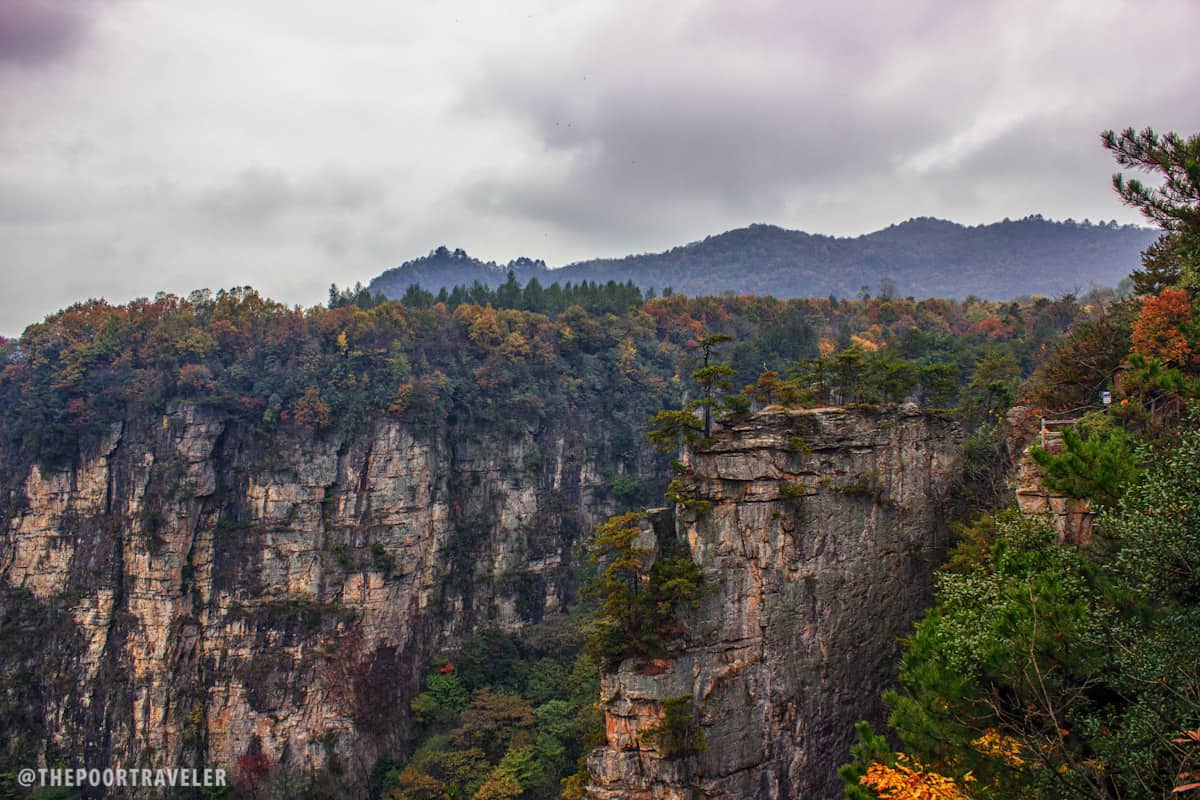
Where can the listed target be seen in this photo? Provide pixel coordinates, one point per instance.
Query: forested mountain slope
(922, 257)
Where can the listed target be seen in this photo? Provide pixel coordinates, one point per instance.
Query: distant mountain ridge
(922, 257)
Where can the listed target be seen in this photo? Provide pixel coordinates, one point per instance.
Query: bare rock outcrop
(192, 590)
(824, 529)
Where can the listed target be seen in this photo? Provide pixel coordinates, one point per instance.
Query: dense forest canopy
(67, 379)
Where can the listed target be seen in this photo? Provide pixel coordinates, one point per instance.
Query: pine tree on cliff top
(1174, 205)
(673, 428)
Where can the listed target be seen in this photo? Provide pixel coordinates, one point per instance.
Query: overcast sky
(151, 145)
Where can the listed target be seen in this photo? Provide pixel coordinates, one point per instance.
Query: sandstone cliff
(192, 590)
(824, 528)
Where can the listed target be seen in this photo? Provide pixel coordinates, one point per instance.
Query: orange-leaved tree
(1161, 329)
(909, 779)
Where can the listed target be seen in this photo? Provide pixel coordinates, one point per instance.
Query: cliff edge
(818, 548)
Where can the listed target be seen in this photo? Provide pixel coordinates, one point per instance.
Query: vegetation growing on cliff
(1053, 670)
(1045, 670)
(675, 428)
(640, 591)
(679, 733)
(1096, 465)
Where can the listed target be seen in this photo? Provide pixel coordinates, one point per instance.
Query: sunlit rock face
(810, 590)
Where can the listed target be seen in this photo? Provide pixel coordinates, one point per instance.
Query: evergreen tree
(1160, 266)
(672, 428)
(712, 377)
(416, 297)
(640, 592)
(1174, 205)
(1098, 467)
(534, 296)
(508, 295)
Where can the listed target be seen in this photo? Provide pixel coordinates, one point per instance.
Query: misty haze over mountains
(922, 257)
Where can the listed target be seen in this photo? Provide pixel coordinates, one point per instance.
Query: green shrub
(792, 494)
(679, 733)
(381, 559)
(626, 489)
(798, 444)
(1096, 468)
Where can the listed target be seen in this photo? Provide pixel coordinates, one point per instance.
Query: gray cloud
(259, 196)
(707, 122)
(224, 143)
(34, 32)
(750, 104)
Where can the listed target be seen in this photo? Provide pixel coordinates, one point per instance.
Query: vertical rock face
(191, 591)
(818, 549)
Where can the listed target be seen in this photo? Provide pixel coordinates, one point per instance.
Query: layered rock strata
(818, 532)
(192, 591)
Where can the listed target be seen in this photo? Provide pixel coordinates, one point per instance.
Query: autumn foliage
(909, 779)
(1161, 331)
(69, 379)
